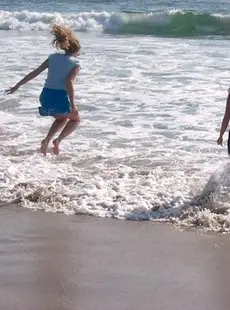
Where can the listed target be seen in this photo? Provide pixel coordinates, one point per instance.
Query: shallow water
(146, 148)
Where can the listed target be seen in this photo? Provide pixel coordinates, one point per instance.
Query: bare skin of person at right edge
(69, 120)
(225, 121)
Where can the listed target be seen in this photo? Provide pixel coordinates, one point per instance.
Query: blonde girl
(57, 97)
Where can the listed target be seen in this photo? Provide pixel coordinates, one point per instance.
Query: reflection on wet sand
(53, 261)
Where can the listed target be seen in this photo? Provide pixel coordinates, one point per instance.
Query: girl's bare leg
(67, 130)
(57, 125)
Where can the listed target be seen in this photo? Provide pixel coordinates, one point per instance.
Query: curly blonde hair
(65, 39)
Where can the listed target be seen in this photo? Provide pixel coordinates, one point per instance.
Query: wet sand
(54, 261)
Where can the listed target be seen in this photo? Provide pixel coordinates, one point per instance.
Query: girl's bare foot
(44, 146)
(56, 146)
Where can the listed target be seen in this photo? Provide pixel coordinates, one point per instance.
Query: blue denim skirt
(53, 102)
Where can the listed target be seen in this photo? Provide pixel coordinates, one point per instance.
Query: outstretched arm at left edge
(28, 77)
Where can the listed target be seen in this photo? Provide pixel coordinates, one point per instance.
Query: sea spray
(171, 23)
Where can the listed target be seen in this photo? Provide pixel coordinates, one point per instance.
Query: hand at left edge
(11, 90)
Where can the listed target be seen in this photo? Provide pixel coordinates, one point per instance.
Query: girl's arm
(225, 121)
(70, 86)
(28, 77)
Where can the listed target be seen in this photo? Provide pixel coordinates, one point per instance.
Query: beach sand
(54, 261)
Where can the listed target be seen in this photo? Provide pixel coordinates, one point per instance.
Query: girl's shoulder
(75, 61)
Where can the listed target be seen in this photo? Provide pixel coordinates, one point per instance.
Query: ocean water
(151, 94)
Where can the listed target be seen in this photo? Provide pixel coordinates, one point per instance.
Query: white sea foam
(166, 23)
(145, 149)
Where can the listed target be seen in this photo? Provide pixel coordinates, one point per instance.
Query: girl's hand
(220, 141)
(74, 116)
(12, 90)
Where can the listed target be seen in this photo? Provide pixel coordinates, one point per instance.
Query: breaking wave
(170, 24)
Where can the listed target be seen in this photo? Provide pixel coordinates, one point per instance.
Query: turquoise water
(111, 6)
(172, 19)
